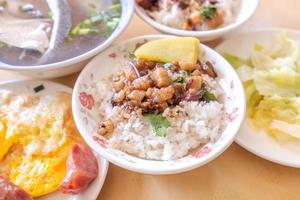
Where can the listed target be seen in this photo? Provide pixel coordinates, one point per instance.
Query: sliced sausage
(9, 191)
(82, 169)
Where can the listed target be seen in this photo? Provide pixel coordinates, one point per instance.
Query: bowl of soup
(54, 38)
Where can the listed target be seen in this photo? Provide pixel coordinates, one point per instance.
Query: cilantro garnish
(179, 79)
(208, 96)
(208, 12)
(159, 124)
(183, 77)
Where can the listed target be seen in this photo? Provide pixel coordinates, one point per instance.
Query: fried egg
(36, 135)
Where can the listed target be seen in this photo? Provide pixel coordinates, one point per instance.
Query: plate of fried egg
(42, 154)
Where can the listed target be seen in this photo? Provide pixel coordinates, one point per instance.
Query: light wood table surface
(236, 174)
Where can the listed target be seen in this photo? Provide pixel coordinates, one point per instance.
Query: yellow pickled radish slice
(179, 49)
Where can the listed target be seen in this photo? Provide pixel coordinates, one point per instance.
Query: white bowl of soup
(207, 19)
(49, 39)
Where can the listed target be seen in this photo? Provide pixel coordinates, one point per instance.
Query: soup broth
(79, 40)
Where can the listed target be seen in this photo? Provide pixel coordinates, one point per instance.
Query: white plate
(27, 87)
(259, 143)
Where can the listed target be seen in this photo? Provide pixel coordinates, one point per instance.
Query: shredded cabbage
(277, 68)
(283, 53)
(245, 72)
(272, 112)
(292, 130)
(271, 78)
(236, 61)
(280, 81)
(252, 97)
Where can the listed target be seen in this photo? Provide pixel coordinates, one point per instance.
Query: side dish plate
(259, 143)
(45, 87)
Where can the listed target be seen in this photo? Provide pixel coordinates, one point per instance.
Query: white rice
(170, 14)
(196, 124)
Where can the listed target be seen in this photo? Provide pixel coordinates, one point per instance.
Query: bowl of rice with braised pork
(159, 104)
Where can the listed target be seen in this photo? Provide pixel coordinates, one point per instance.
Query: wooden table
(236, 174)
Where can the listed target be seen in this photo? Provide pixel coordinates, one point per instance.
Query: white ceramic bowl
(86, 115)
(246, 10)
(27, 87)
(75, 64)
